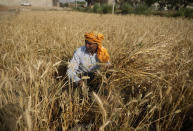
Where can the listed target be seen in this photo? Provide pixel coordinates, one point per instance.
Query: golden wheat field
(149, 85)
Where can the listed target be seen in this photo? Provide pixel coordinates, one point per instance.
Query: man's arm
(73, 67)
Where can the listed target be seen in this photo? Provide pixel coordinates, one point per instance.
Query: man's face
(91, 47)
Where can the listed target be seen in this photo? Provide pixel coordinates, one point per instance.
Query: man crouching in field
(86, 59)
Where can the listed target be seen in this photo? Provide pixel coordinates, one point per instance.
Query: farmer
(86, 59)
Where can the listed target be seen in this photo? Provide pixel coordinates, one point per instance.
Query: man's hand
(80, 83)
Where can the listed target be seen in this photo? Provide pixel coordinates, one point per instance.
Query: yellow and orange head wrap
(102, 53)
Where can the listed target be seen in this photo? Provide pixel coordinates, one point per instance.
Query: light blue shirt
(82, 62)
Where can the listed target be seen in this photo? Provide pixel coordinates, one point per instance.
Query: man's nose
(87, 45)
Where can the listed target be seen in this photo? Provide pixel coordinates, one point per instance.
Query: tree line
(170, 4)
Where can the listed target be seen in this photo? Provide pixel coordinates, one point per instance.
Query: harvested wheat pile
(148, 87)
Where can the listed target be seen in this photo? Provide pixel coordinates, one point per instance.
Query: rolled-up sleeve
(73, 67)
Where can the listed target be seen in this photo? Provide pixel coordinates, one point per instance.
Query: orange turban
(102, 53)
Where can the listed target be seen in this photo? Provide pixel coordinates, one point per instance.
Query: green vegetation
(126, 8)
(97, 8)
(184, 12)
(145, 7)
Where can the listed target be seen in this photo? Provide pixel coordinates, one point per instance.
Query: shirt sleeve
(73, 67)
(108, 63)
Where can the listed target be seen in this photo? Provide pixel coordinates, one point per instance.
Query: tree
(92, 2)
(88, 2)
(174, 4)
(149, 2)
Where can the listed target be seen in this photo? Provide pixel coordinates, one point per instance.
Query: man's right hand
(80, 83)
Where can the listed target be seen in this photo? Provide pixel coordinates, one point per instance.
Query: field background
(148, 87)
